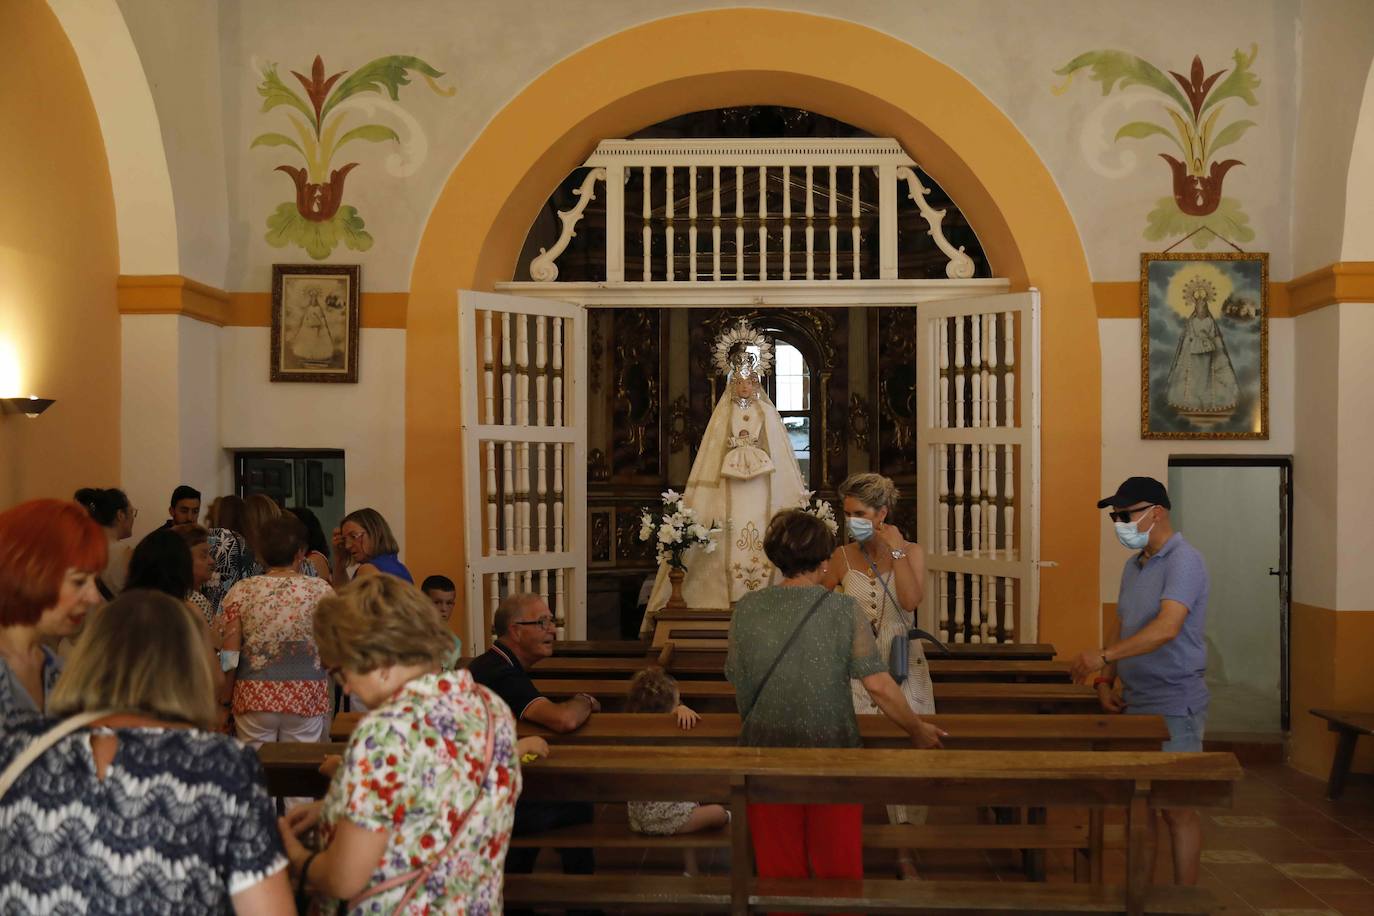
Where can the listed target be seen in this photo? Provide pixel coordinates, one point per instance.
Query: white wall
(204, 465)
(366, 420)
(178, 46)
(149, 417)
(144, 214)
(1335, 41)
(169, 413)
(1125, 454)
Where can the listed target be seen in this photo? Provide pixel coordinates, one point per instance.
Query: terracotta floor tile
(1281, 896)
(1232, 857)
(1302, 871)
(1323, 887)
(1361, 904)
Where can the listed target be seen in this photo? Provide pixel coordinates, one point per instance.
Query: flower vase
(676, 575)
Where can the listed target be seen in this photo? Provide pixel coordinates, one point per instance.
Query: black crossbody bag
(899, 656)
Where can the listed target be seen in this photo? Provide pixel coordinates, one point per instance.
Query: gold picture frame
(315, 322)
(1204, 345)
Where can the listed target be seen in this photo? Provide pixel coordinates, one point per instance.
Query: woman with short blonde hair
(186, 803)
(431, 773)
(885, 574)
(365, 539)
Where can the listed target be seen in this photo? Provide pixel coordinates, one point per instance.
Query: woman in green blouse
(793, 649)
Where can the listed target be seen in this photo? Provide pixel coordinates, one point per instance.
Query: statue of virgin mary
(744, 473)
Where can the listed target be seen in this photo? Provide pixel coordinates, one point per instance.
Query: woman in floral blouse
(281, 693)
(418, 818)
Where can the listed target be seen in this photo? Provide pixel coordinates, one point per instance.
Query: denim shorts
(1185, 732)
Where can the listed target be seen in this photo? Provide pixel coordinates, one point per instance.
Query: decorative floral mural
(318, 219)
(1199, 122)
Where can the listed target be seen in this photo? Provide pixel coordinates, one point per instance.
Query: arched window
(789, 386)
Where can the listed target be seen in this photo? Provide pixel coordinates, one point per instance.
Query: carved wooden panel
(638, 370)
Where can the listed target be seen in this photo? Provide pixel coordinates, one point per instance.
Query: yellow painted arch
(732, 57)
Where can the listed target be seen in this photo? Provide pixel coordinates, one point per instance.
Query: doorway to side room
(297, 479)
(1238, 513)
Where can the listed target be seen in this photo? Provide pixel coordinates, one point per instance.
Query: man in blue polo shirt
(1160, 649)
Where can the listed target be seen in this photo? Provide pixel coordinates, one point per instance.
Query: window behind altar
(844, 380)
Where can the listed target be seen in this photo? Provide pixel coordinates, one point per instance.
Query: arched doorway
(736, 57)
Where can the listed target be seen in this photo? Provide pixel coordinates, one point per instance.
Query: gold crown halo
(741, 333)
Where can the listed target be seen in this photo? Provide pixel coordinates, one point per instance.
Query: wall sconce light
(30, 406)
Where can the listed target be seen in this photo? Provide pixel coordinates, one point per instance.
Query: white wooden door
(978, 466)
(524, 423)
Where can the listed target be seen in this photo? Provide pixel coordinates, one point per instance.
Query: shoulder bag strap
(44, 741)
(413, 879)
(763, 682)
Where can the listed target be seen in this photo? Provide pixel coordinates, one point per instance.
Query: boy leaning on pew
(653, 690)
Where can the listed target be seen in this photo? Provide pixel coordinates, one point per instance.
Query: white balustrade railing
(811, 182)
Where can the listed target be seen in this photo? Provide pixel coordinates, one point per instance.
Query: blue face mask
(1131, 537)
(860, 529)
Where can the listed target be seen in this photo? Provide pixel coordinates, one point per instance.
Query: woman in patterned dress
(418, 817)
(885, 574)
(144, 810)
(281, 692)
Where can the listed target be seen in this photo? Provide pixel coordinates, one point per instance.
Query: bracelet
(305, 871)
(1099, 681)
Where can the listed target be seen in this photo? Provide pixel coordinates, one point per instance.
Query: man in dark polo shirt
(524, 629)
(1159, 646)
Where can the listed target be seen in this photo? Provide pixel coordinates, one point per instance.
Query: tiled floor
(1282, 850)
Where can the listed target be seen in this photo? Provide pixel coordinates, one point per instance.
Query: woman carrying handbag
(885, 574)
(419, 814)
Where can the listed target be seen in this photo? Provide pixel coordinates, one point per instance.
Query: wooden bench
(705, 629)
(966, 732)
(954, 697)
(1349, 725)
(1137, 782)
(608, 648)
(292, 769)
(941, 669)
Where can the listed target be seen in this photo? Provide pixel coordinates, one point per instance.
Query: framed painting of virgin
(1204, 346)
(315, 323)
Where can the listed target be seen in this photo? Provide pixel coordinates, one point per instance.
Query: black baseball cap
(1137, 490)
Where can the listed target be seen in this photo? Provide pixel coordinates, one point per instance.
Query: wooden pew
(941, 669)
(1135, 781)
(605, 648)
(1349, 725)
(705, 629)
(292, 770)
(968, 732)
(953, 697)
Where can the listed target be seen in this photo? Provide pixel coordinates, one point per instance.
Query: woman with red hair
(51, 553)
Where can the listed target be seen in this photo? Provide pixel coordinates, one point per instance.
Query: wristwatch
(899, 554)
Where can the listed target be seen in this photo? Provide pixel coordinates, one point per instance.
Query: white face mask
(860, 529)
(1130, 535)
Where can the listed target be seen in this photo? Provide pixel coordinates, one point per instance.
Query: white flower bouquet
(819, 508)
(676, 530)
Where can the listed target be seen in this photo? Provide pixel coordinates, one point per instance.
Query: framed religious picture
(315, 323)
(1204, 346)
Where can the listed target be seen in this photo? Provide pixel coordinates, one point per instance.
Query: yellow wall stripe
(172, 294)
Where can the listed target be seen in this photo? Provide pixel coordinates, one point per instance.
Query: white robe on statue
(744, 473)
